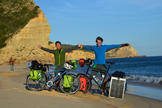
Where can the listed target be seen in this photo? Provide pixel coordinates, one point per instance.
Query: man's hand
(126, 44)
(39, 46)
(80, 46)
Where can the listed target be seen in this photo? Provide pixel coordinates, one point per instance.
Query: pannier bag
(74, 64)
(35, 74)
(68, 80)
(82, 62)
(83, 83)
(119, 74)
(36, 66)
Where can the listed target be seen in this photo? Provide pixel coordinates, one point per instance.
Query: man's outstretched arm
(86, 47)
(109, 47)
(46, 49)
(70, 49)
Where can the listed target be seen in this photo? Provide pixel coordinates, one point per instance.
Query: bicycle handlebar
(91, 61)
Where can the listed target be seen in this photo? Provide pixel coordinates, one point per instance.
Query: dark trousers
(102, 69)
(99, 68)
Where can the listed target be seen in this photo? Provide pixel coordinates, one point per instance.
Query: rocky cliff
(23, 45)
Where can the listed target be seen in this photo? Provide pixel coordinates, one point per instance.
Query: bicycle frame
(57, 77)
(107, 73)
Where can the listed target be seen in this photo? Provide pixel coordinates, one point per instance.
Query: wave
(146, 79)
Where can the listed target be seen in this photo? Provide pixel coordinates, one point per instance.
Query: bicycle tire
(71, 90)
(35, 85)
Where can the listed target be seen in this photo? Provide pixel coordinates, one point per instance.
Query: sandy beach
(13, 94)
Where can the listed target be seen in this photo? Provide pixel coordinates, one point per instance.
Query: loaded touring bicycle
(103, 80)
(62, 79)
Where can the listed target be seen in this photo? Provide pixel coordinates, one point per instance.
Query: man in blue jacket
(100, 50)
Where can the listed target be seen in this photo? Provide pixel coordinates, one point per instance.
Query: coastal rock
(23, 45)
(122, 52)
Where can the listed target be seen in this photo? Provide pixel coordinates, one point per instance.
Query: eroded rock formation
(23, 45)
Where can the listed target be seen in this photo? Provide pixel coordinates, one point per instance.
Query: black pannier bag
(118, 74)
(36, 65)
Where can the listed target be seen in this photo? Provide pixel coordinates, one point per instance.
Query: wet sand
(13, 94)
(159, 86)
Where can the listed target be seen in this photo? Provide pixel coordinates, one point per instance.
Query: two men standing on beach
(99, 50)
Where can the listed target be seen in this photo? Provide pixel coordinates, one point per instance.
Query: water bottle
(103, 76)
(96, 78)
(100, 78)
(59, 74)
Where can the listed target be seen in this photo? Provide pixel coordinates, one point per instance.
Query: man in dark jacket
(59, 53)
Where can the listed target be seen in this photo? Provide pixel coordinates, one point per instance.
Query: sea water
(141, 70)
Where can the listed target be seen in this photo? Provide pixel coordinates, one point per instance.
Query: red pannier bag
(83, 85)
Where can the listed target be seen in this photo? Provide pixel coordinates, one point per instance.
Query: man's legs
(100, 68)
(11, 67)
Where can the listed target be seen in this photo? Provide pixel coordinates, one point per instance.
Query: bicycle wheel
(36, 85)
(73, 86)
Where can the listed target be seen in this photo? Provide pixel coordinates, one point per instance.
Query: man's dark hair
(99, 38)
(57, 42)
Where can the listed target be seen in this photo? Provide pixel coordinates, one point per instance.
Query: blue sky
(138, 22)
